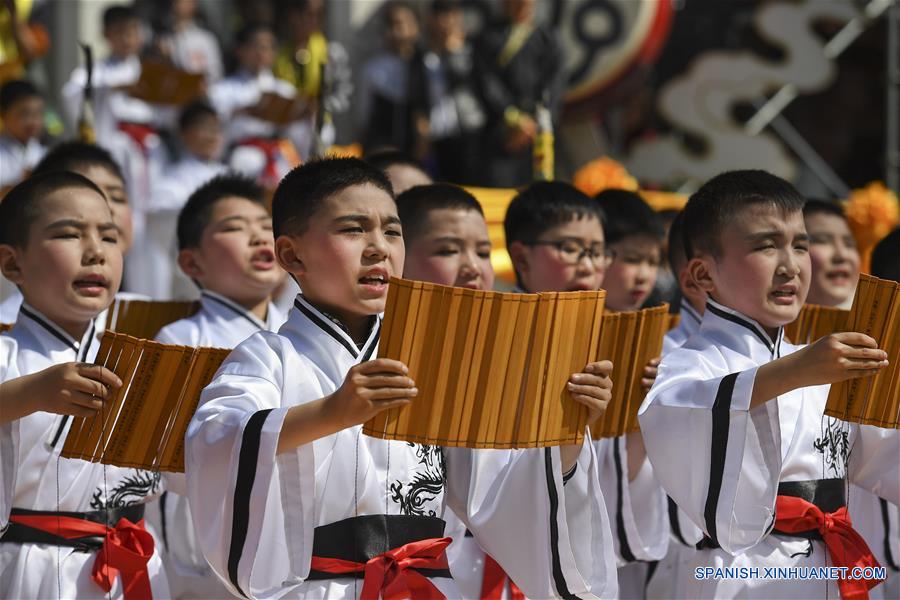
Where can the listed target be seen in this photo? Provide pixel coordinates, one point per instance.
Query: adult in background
(455, 115)
(391, 98)
(308, 61)
(518, 65)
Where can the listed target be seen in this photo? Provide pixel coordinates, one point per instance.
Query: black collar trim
(53, 330)
(235, 308)
(753, 327)
(326, 326)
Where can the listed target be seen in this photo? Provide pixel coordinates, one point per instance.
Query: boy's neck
(358, 327)
(75, 328)
(259, 308)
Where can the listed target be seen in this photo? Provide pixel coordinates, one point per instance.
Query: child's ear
(9, 264)
(187, 260)
(518, 254)
(288, 258)
(698, 270)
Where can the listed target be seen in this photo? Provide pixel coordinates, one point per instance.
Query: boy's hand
(838, 357)
(593, 388)
(77, 389)
(649, 375)
(833, 358)
(370, 388)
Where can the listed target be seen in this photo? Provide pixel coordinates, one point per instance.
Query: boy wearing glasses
(556, 239)
(635, 235)
(447, 242)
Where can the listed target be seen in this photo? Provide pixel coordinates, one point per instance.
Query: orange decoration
(601, 174)
(872, 213)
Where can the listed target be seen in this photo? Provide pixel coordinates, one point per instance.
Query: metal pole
(835, 46)
(892, 149)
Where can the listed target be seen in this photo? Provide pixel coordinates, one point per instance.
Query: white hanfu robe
(35, 477)
(878, 521)
(244, 90)
(18, 159)
(722, 462)
(141, 161)
(665, 581)
(220, 323)
(260, 510)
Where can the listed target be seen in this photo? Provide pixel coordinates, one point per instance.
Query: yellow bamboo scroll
(814, 322)
(491, 367)
(143, 424)
(873, 400)
(144, 318)
(630, 340)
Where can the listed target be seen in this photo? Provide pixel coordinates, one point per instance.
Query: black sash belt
(17, 533)
(828, 494)
(359, 539)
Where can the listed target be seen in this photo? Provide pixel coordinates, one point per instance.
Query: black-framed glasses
(571, 251)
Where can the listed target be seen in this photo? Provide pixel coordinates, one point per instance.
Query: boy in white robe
(22, 115)
(59, 244)
(201, 137)
(256, 146)
(310, 504)
(127, 126)
(558, 239)
(734, 424)
(226, 247)
(835, 262)
(665, 579)
(447, 242)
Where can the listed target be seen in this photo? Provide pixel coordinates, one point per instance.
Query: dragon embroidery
(130, 490)
(426, 486)
(834, 446)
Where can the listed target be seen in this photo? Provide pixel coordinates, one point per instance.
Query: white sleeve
(516, 505)
(637, 509)
(718, 460)
(236, 484)
(874, 462)
(9, 435)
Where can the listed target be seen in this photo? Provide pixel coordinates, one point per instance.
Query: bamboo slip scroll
(491, 367)
(143, 425)
(144, 318)
(873, 400)
(162, 83)
(630, 340)
(814, 322)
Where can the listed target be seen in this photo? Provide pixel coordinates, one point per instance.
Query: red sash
(127, 548)
(392, 574)
(494, 580)
(139, 132)
(845, 546)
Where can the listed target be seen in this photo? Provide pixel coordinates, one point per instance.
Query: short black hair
(676, 256)
(22, 205)
(394, 5)
(303, 190)
(77, 155)
(194, 216)
(815, 206)
(543, 205)
(722, 198)
(246, 33)
(118, 14)
(382, 159)
(15, 91)
(414, 204)
(440, 7)
(886, 257)
(627, 214)
(193, 113)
